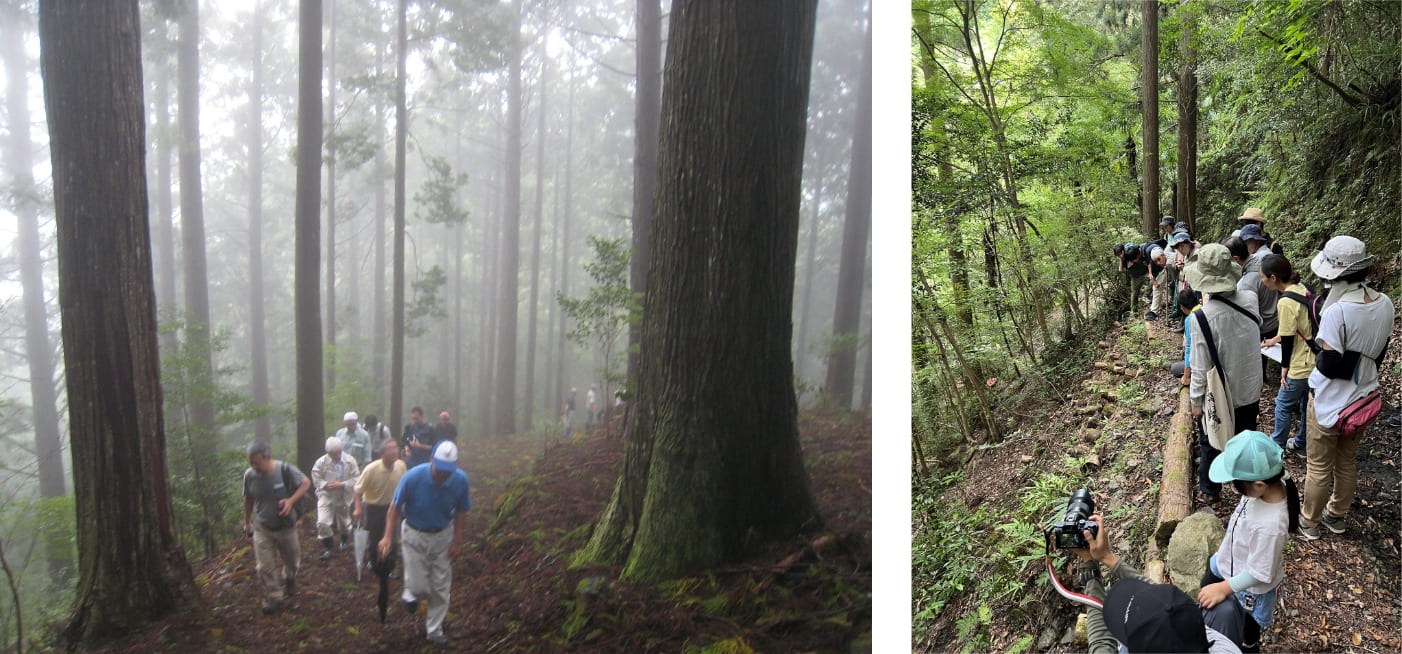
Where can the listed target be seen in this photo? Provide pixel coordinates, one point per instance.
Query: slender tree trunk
(401, 131)
(697, 488)
(38, 352)
(958, 261)
(381, 335)
(565, 247)
(262, 428)
(165, 221)
(330, 9)
(648, 113)
(866, 383)
(535, 249)
(487, 334)
(552, 382)
(847, 311)
(131, 570)
(505, 406)
(192, 208)
(1149, 100)
(457, 317)
(310, 401)
(801, 351)
(1187, 187)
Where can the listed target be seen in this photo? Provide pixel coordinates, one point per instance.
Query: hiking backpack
(1312, 303)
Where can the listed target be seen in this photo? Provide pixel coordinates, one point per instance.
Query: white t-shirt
(1255, 543)
(1349, 324)
(591, 398)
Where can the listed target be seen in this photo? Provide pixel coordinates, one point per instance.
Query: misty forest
(618, 251)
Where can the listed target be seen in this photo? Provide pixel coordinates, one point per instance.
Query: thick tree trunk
(645, 120)
(535, 249)
(505, 405)
(1187, 188)
(38, 352)
(330, 10)
(847, 310)
(1149, 100)
(192, 208)
(262, 428)
(131, 569)
(698, 487)
(1176, 488)
(310, 401)
(165, 221)
(401, 130)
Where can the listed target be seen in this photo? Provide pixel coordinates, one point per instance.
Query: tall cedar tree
(330, 18)
(648, 113)
(1149, 100)
(43, 395)
(131, 569)
(713, 465)
(847, 311)
(504, 408)
(535, 248)
(310, 420)
(192, 205)
(401, 131)
(257, 335)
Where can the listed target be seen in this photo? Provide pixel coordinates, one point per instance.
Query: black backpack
(1312, 303)
(306, 505)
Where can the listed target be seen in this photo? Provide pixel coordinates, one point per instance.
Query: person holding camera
(1141, 616)
(1250, 562)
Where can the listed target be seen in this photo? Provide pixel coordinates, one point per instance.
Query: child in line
(1297, 361)
(1188, 302)
(1250, 563)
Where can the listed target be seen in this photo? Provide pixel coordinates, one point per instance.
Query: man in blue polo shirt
(431, 499)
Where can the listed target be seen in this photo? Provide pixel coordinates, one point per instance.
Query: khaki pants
(269, 546)
(1161, 299)
(1332, 465)
(332, 515)
(427, 571)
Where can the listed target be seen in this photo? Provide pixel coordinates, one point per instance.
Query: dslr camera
(1076, 519)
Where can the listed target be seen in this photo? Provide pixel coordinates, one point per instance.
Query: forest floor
(514, 590)
(1341, 593)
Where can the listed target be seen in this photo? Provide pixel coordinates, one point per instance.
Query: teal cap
(1248, 456)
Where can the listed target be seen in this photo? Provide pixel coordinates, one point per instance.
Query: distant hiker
(355, 440)
(1250, 562)
(1144, 616)
(373, 492)
(270, 492)
(1354, 326)
(569, 413)
(1295, 336)
(419, 438)
(592, 402)
(1163, 289)
(1165, 231)
(1132, 264)
(432, 499)
(379, 432)
(1251, 279)
(618, 399)
(1230, 316)
(445, 429)
(334, 476)
(1188, 301)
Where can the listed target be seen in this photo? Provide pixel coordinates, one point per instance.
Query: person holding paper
(1294, 336)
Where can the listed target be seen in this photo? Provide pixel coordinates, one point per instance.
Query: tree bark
(197, 325)
(401, 131)
(699, 486)
(310, 401)
(645, 120)
(165, 221)
(801, 350)
(1187, 189)
(847, 310)
(1149, 100)
(535, 249)
(1176, 489)
(262, 427)
(565, 247)
(330, 17)
(505, 405)
(131, 569)
(381, 334)
(38, 352)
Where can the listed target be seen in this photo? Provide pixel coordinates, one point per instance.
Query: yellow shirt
(1295, 321)
(377, 482)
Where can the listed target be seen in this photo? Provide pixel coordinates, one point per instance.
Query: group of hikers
(1245, 315)
(406, 509)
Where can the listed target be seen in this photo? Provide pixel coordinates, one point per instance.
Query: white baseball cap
(350, 415)
(445, 456)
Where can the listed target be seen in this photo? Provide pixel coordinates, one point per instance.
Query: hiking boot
(1310, 533)
(289, 587)
(1211, 499)
(412, 606)
(326, 556)
(273, 606)
(1151, 316)
(1295, 446)
(438, 639)
(1333, 524)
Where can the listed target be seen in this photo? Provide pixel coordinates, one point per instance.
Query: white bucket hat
(1341, 255)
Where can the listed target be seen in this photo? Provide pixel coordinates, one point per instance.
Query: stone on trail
(1194, 541)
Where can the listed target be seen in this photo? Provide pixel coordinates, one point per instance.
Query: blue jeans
(1262, 604)
(1288, 402)
(1206, 456)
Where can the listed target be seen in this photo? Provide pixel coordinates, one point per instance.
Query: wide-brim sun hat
(1211, 269)
(1248, 456)
(1252, 214)
(1253, 233)
(1343, 254)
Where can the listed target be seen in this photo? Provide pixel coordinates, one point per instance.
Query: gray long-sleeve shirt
(1238, 346)
(1266, 298)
